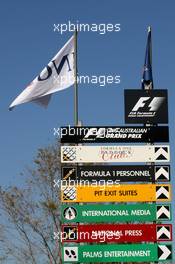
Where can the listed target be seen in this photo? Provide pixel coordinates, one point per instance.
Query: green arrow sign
(116, 253)
(97, 213)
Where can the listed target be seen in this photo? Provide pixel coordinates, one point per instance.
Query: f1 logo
(142, 107)
(153, 106)
(95, 132)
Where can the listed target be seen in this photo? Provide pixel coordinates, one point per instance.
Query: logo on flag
(56, 76)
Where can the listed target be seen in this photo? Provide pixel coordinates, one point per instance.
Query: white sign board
(106, 154)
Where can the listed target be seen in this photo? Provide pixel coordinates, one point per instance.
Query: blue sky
(27, 44)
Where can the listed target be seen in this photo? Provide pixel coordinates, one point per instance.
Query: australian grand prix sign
(146, 106)
(134, 134)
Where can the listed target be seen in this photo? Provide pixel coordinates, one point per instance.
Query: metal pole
(76, 122)
(76, 83)
(150, 87)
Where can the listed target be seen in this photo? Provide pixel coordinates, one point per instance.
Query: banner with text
(97, 213)
(117, 253)
(103, 154)
(118, 233)
(117, 193)
(114, 134)
(115, 174)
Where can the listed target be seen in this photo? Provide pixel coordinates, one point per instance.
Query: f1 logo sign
(143, 106)
(95, 133)
(153, 106)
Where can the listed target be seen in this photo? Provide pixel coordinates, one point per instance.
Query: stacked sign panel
(96, 177)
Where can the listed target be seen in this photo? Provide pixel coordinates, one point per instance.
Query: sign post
(85, 189)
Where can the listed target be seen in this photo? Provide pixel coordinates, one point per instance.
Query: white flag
(56, 76)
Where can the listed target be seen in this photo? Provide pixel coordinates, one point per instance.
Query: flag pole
(76, 83)
(150, 87)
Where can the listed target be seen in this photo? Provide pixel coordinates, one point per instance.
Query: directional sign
(117, 253)
(106, 154)
(163, 212)
(117, 193)
(118, 233)
(164, 252)
(164, 232)
(113, 134)
(143, 106)
(115, 174)
(112, 213)
(162, 173)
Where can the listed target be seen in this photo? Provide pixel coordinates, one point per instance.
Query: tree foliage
(30, 215)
